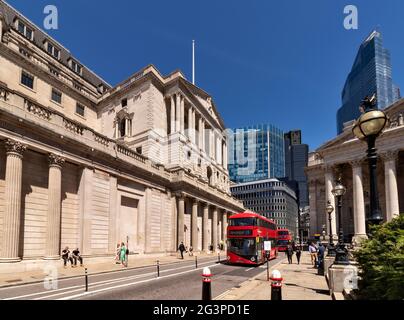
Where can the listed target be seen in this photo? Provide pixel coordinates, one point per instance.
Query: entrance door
(128, 222)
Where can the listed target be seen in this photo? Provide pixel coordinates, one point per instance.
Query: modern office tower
(256, 153)
(371, 73)
(272, 198)
(296, 159)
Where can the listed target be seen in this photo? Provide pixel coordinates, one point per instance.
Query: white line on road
(130, 284)
(249, 269)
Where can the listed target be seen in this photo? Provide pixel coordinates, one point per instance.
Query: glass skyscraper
(371, 73)
(256, 153)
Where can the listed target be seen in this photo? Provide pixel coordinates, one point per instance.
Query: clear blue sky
(280, 62)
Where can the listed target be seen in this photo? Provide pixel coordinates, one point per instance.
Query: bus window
(242, 222)
(242, 247)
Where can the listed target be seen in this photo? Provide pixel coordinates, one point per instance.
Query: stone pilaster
(180, 219)
(172, 114)
(390, 173)
(193, 129)
(214, 228)
(12, 196)
(182, 106)
(205, 224)
(358, 202)
(52, 248)
(194, 225)
(178, 113)
(313, 208)
(190, 123)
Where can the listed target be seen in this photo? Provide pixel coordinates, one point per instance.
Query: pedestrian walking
(181, 248)
(191, 251)
(66, 256)
(298, 254)
(123, 255)
(313, 254)
(321, 251)
(289, 253)
(77, 256)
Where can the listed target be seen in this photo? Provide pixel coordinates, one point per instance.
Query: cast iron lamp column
(341, 256)
(331, 247)
(368, 127)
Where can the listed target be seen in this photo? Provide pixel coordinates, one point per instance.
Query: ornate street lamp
(368, 127)
(341, 251)
(331, 247)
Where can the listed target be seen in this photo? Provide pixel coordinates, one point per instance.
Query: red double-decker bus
(246, 233)
(283, 239)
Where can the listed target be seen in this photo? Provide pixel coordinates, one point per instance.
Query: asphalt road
(177, 281)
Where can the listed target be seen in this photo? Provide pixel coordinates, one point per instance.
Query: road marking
(249, 269)
(95, 284)
(222, 295)
(130, 284)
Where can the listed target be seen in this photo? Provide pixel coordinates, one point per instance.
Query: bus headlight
(252, 259)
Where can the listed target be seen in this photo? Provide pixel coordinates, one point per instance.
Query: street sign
(267, 245)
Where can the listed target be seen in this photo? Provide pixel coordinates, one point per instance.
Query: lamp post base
(331, 250)
(341, 256)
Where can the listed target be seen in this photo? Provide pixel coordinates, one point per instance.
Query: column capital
(55, 160)
(15, 147)
(356, 163)
(389, 155)
(330, 168)
(180, 195)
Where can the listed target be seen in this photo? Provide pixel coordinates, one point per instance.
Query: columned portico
(390, 173)
(12, 214)
(214, 228)
(54, 207)
(205, 227)
(194, 225)
(180, 219)
(358, 202)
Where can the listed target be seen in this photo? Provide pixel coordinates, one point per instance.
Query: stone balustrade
(73, 127)
(37, 110)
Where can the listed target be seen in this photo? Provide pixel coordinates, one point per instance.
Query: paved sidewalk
(301, 282)
(37, 271)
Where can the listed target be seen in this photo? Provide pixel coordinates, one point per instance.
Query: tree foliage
(381, 262)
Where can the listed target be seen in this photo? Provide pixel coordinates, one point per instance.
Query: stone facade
(346, 156)
(84, 164)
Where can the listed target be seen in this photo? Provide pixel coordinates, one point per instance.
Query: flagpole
(193, 62)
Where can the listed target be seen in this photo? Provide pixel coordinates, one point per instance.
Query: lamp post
(300, 228)
(331, 247)
(368, 127)
(341, 251)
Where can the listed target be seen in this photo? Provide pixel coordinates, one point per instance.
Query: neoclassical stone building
(84, 164)
(346, 156)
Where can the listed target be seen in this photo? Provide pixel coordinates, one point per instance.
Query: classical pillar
(12, 197)
(172, 114)
(52, 248)
(224, 227)
(180, 220)
(193, 130)
(190, 123)
(200, 132)
(313, 209)
(205, 224)
(224, 146)
(214, 228)
(329, 185)
(390, 174)
(116, 129)
(203, 136)
(194, 225)
(182, 104)
(178, 112)
(358, 202)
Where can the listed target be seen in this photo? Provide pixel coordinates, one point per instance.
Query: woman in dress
(123, 254)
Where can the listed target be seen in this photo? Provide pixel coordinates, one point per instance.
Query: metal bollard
(218, 257)
(196, 262)
(206, 284)
(86, 278)
(158, 268)
(276, 285)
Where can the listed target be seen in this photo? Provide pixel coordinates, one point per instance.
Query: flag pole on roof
(193, 62)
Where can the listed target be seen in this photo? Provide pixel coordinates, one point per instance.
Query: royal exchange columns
(390, 174)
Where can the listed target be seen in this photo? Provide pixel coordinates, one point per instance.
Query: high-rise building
(371, 73)
(256, 153)
(296, 159)
(272, 198)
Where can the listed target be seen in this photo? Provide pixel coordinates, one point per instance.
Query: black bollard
(86, 278)
(196, 262)
(206, 284)
(276, 285)
(158, 268)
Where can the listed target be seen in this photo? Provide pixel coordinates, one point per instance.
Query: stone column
(390, 173)
(194, 225)
(214, 228)
(180, 220)
(190, 123)
(116, 129)
(203, 136)
(200, 133)
(12, 197)
(329, 184)
(313, 209)
(182, 104)
(224, 227)
(205, 224)
(224, 154)
(172, 114)
(178, 112)
(358, 202)
(52, 248)
(193, 130)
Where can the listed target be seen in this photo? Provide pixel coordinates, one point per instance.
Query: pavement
(301, 282)
(35, 272)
